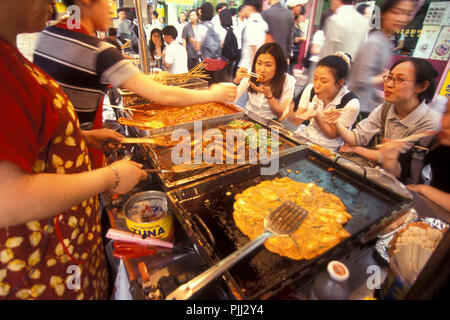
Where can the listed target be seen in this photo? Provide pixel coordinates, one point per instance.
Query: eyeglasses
(388, 78)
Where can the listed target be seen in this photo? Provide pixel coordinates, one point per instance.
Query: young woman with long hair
(270, 94)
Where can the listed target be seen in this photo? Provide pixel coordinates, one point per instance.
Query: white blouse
(258, 103)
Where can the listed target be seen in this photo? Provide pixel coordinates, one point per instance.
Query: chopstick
(412, 137)
(255, 75)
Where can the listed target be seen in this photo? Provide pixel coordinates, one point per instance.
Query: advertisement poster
(427, 40)
(441, 50)
(438, 14)
(445, 89)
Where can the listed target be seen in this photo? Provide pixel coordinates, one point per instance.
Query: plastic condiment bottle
(333, 284)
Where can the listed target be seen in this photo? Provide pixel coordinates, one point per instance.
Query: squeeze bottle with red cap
(333, 284)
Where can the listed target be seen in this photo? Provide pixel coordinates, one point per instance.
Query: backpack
(211, 46)
(230, 46)
(344, 100)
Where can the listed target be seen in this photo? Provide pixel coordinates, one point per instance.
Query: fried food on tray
(168, 116)
(326, 152)
(321, 229)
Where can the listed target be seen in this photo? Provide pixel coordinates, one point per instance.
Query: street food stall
(205, 211)
(202, 198)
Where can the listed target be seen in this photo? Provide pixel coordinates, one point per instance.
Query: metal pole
(142, 43)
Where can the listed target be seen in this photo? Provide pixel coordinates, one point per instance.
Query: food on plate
(321, 230)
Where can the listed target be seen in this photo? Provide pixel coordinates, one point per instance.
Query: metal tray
(205, 209)
(238, 112)
(161, 157)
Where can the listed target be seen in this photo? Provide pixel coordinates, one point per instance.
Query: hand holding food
(266, 90)
(127, 174)
(331, 116)
(390, 148)
(104, 139)
(241, 73)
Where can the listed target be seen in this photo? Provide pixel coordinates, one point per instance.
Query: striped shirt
(84, 66)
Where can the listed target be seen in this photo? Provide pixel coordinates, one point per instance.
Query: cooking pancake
(320, 230)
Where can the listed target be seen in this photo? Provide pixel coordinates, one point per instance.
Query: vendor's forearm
(155, 92)
(25, 197)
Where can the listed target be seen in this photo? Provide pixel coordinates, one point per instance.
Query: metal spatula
(282, 221)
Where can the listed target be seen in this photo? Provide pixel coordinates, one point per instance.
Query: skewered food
(321, 229)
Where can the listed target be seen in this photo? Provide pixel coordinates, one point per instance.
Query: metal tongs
(284, 220)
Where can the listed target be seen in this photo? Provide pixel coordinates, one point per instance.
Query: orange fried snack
(321, 230)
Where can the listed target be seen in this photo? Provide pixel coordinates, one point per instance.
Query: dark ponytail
(337, 65)
(424, 72)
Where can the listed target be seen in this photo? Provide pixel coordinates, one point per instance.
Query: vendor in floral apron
(50, 234)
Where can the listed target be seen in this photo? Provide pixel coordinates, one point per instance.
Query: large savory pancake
(319, 231)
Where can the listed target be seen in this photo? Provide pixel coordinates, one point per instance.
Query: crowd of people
(54, 114)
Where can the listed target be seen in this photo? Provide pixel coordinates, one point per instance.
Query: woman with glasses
(408, 87)
(375, 55)
(438, 189)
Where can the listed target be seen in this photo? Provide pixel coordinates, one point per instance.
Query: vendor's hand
(346, 148)
(130, 173)
(390, 149)
(265, 90)
(241, 73)
(225, 94)
(331, 116)
(104, 139)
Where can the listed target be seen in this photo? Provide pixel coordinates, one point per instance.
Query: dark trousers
(192, 62)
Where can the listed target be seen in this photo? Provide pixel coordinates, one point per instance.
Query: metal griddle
(161, 156)
(205, 209)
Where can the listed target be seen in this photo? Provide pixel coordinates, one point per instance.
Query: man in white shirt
(175, 55)
(254, 33)
(216, 20)
(345, 30)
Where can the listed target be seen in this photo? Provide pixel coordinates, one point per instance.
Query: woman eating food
(156, 47)
(438, 190)
(408, 87)
(328, 92)
(49, 210)
(269, 87)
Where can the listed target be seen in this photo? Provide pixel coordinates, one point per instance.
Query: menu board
(438, 14)
(441, 50)
(427, 40)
